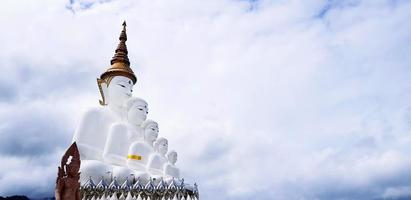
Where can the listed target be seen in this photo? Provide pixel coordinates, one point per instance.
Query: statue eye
(140, 109)
(122, 85)
(129, 82)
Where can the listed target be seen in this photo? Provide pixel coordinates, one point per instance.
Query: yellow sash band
(134, 157)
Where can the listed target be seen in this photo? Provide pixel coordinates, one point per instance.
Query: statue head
(137, 110)
(161, 146)
(116, 83)
(151, 130)
(117, 91)
(172, 157)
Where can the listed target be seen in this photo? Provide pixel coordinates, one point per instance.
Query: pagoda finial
(121, 54)
(120, 64)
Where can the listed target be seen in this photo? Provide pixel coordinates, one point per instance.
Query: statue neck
(117, 109)
(149, 143)
(137, 126)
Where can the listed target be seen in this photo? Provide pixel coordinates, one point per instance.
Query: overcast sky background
(261, 99)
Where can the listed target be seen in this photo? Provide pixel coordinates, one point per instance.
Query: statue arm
(154, 164)
(166, 169)
(171, 170)
(87, 124)
(151, 161)
(85, 133)
(117, 139)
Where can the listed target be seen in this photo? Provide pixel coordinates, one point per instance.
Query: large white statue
(141, 150)
(116, 139)
(170, 170)
(158, 158)
(92, 131)
(137, 110)
(121, 134)
(116, 86)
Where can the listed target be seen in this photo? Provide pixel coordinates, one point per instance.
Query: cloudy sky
(261, 99)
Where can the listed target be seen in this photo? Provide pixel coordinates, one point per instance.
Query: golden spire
(121, 51)
(120, 65)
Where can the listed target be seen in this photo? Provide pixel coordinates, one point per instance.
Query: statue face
(137, 114)
(173, 158)
(163, 147)
(151, 133)
(119, 90)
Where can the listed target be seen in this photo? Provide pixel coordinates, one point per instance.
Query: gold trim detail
(99, 82)
(134, 157)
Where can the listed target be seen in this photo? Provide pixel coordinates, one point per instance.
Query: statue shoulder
(140, 144)
(167, 166)
(119, 128)
(89, 121)
(155, 157)
(140, 147)
(94, 113)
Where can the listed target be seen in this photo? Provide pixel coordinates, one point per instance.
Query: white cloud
(263, 99)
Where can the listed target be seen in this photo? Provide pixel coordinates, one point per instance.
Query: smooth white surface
(117, 141)
(92, 131)
(143, 148)
(122, 173)
(158, 158)
(91, 134)
(107, 135)
(137, 110)
(170, 170)
(94, 169)
(121, 134)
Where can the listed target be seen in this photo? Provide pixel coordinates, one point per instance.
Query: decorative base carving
(135, 190)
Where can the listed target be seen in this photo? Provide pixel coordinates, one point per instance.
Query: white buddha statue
(92, 131)
(158, 158)
(121, 134)
(116, 86)
(137, 111)
(140, 150)
(170, 170)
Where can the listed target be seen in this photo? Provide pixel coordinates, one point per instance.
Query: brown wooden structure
(67, 183)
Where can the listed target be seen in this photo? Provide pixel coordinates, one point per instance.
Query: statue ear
(102, 86)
